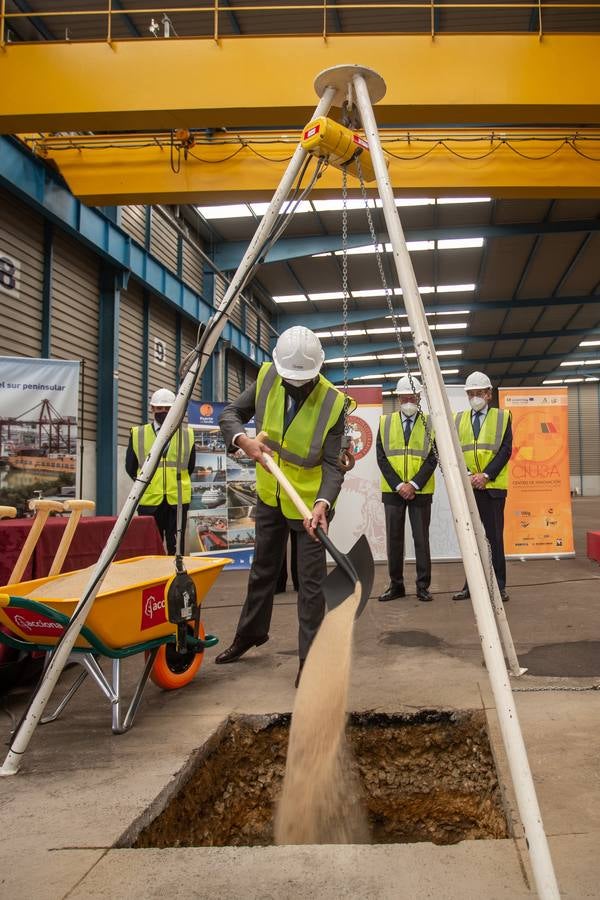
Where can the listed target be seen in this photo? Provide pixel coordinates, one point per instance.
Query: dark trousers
(165, 516)
(419, 513)
(282, 578)
(491, 513)
(269, 550)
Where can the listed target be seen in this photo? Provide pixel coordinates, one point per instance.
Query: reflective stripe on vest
(164, 481)
(479, 453)
(406, 460)
(299, 447)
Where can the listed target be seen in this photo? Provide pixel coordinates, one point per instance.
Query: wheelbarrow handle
(340, 558)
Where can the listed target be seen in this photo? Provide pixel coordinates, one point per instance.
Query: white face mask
(477, 403)
(409, 409)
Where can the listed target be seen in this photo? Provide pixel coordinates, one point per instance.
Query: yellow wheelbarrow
(129, 616)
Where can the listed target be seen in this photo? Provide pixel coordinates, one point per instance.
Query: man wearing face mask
(160, 497)
(485, 435)
(407, 462)
(302, 414)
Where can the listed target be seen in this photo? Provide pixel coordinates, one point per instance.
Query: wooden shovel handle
(283, 481)
(79, 504)
(8, 512)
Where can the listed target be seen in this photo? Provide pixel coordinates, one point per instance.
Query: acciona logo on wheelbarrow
(34, 624)
(153, 607)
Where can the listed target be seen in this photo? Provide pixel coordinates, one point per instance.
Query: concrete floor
(80, 787)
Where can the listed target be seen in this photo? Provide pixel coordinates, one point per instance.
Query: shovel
(353, 568)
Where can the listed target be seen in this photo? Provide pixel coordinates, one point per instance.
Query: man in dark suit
(485, 435)
(302, 414)
(407, 462)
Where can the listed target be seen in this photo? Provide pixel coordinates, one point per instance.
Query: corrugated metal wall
(21, 242)
(75, 291)
(193, 268)
(163, 242)
(189, 334)
(240, 374)
(131, 355)
(162, 363)
(584, 435)
(133, 221)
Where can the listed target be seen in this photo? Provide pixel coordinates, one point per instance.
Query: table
(141, 539)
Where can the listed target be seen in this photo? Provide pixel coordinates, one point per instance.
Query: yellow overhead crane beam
(153, 85)
(114, 170)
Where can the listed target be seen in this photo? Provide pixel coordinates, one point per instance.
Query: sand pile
(119, 576)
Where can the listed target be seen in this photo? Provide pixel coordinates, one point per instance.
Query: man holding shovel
(302, 414)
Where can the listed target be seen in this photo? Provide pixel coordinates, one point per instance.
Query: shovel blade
(338, 585)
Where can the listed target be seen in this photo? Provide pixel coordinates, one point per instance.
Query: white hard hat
(162, 397)
(408, 385)
(477, 381)
(298, 355)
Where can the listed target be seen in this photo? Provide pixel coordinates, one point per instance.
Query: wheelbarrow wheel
(172, 670)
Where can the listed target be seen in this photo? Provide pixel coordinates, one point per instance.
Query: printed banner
(538, 516)
(359, 509)
(221, 518)
(38, 429)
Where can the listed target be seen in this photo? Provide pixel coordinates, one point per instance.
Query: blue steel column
(47, 289)
(108, 387)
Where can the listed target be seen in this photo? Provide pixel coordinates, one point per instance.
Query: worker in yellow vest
(302, 414)
(160, 497)
(485, 435)
(407, 461)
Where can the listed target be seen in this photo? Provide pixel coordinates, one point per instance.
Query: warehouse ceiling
(511, 286)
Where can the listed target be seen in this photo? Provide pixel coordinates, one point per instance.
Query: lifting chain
(397, 330)
(346, 458)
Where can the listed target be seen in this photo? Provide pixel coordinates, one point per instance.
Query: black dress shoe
(505, 597)
(424, 596)
(462, 595)
(300, 667)
(392, 593)
(237, 649)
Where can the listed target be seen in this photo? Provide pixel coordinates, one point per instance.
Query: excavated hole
(425, 777)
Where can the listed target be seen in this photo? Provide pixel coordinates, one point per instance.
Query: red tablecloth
(141, 539)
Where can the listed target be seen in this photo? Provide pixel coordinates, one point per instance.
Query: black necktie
(407, 430)
(290, 411)
(476, 425)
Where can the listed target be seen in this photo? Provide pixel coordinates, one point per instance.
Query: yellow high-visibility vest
(164, 480)
(479, 453)
(298, 450)
(406, 459)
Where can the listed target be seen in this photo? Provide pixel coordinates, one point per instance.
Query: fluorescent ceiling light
(351, 332)
(245, 210)
(340, 359)
(447, 326)
(581, 362)
(592, 378)
(338, 205)
(327, 295)
(450, 288)
(260, 209)
(231, 211)
(442, 201)
(589, 343)
(460, 243)
(572, 380)
(291, 298)
(553, 381)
